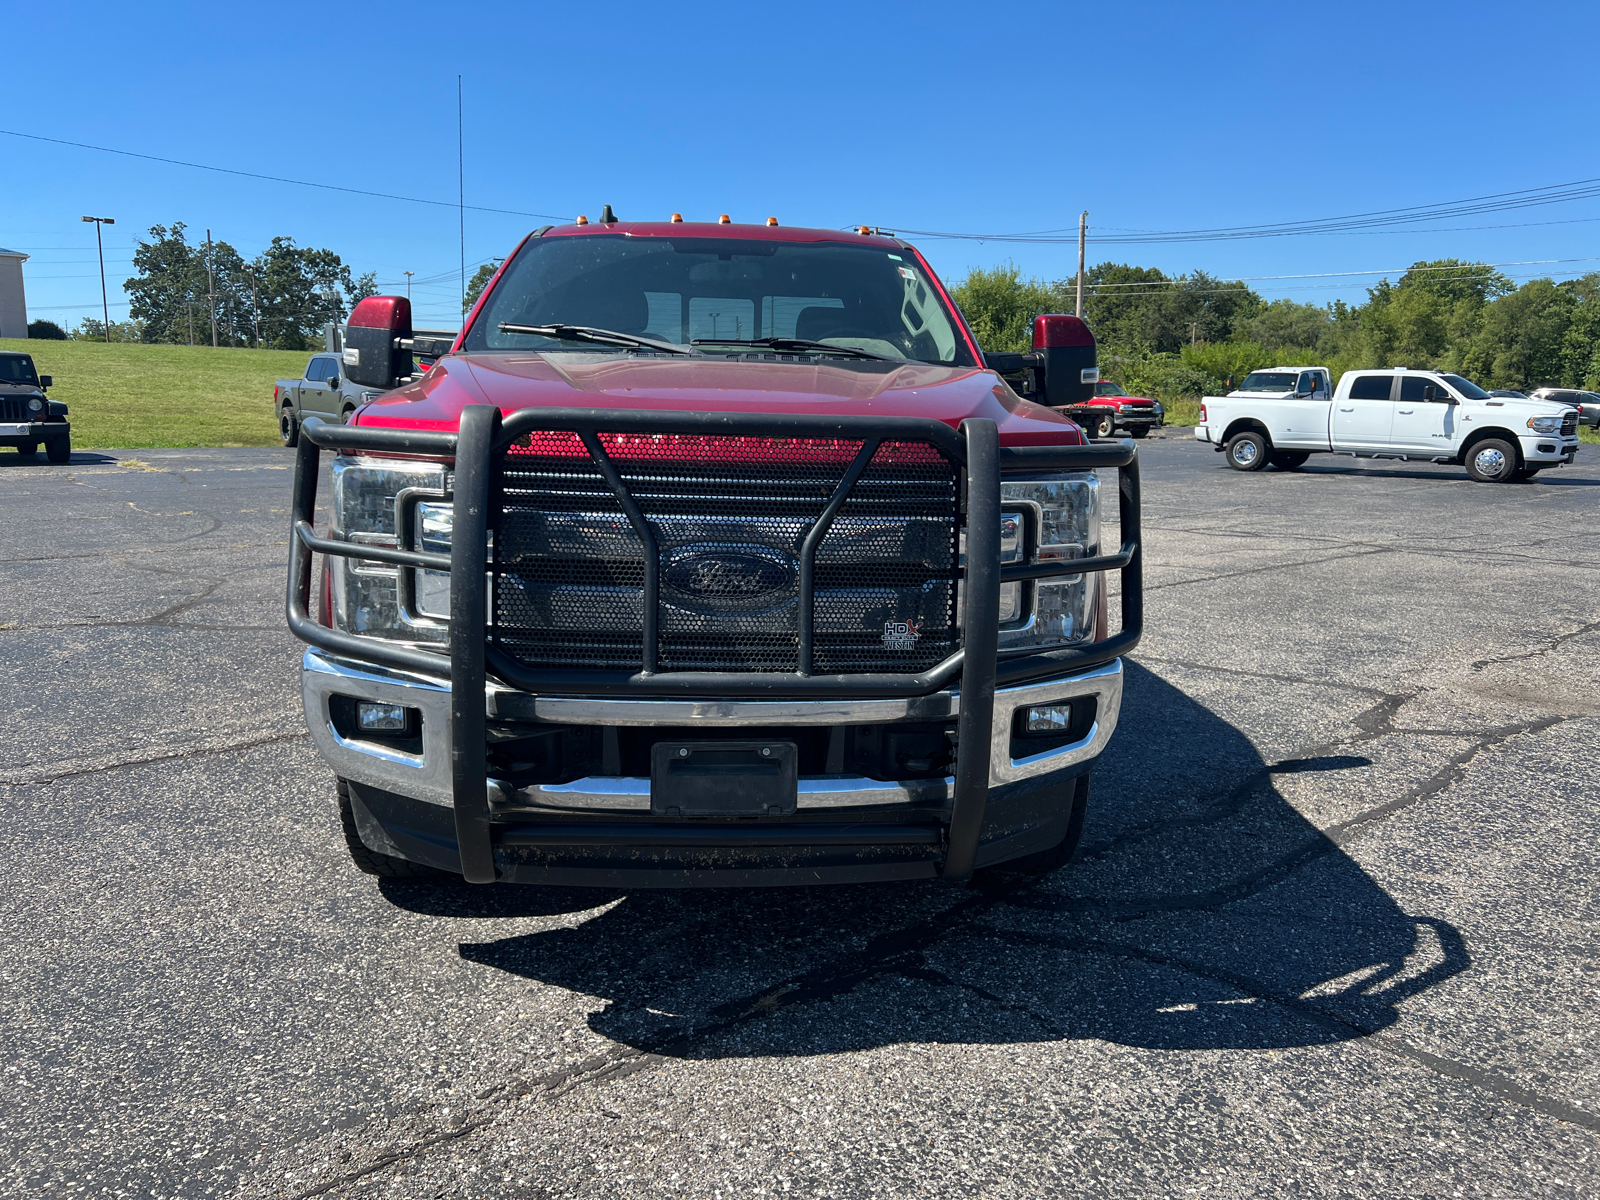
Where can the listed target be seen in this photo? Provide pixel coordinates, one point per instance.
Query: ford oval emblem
(733, 575)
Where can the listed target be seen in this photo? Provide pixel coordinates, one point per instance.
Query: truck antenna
(607, 217)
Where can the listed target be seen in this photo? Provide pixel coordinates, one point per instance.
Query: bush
(48, 330)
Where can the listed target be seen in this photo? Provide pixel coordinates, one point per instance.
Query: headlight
(372, 497)
(35, 404)
(1052, 518)
(1544, 424)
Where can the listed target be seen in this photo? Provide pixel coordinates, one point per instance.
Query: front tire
(344, 417)
(288, 427)
(371, 862)
(27, 450)
(1493, 460)
(59, 450)
(1248, 451)
(1288, 460)
(1139, 431)
(1104, 427)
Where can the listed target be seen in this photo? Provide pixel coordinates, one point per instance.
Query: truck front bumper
(1548, 450)
(27, 433)
(600, 830)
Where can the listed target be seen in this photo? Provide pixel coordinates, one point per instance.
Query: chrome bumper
(427, 776)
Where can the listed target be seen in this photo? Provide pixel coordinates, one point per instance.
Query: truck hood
(1521, 408)
(611, 381)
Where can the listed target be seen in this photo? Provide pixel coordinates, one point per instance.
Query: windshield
(1269, 381)
(720, 290)
(1466, 387)
(1107, 389)
(17, 368)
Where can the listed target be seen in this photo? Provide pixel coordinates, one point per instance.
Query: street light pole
(105, 307)
(408, 275)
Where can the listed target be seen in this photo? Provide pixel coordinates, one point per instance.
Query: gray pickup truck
(325, 392)
(27, 416)
(320, 392)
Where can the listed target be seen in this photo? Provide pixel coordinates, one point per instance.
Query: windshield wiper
(588, 333)
(792, 346)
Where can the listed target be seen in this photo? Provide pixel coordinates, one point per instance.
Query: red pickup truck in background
(711, 555)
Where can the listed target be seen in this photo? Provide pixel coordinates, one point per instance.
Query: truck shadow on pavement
(1202, 912)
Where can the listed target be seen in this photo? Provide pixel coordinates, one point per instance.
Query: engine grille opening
(729, 515)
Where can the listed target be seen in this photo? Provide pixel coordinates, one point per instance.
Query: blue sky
(933, 116)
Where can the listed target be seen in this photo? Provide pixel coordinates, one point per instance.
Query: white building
(13, 303)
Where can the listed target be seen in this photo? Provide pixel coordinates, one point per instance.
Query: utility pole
(1083, 229)
(105, 308)
(211, 291)
(408, 275)
(255, 310)
(1194, 332)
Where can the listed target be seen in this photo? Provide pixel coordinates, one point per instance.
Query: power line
(1558, 193)
(329, 187)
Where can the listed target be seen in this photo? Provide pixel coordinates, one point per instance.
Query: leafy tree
(1000, 306)
(1522, 342)
(479, 281)
(1580, 346)
(93, 329)
(1287, 323)
(1139, 311)
(282, 298)
(47, 330)
(1454, 280)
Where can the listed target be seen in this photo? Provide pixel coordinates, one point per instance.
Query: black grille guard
(479, 451)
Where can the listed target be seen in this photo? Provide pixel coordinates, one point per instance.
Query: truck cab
(710, 555)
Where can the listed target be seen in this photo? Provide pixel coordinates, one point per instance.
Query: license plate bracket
(724, 778)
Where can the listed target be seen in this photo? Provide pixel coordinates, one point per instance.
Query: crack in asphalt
(126, 763)
(1307, 562)
(1196, 666)
(1555, 643)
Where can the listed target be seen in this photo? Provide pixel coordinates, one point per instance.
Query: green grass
(127, 395)
(1182, 412)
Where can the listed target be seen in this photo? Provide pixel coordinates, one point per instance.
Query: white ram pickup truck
(1283, 415)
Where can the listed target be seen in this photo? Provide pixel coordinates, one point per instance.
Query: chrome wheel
(1490, 462)
(1245, 452)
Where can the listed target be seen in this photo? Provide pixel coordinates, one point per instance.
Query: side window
(1323, 390)
(317, 370)
(1412, 387)
(1370, 387)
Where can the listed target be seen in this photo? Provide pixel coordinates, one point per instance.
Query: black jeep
(27, 416)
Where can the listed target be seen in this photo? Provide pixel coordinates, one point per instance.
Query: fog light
(1049, 718)
(382, 718)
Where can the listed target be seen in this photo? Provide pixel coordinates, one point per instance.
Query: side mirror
(46, 381)
(333, 383)
(373, 356)
(1071, 363)
(1429, 392)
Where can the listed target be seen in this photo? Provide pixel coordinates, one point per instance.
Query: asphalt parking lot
(1332, 931)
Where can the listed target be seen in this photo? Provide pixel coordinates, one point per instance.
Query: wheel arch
(1491, 431)
(1246, 425)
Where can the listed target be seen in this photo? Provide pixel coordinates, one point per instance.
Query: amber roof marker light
(772, 220)
(582, 220)
(677, 218)
(863, 230)
(724, 219)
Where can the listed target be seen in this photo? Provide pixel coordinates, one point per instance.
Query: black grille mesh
(15, 408)
(1569, 423)
(729, 515)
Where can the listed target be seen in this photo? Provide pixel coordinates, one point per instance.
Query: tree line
(207, 293)
(1177, 337)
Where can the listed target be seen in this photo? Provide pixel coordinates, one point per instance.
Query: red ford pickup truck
(710, 555)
